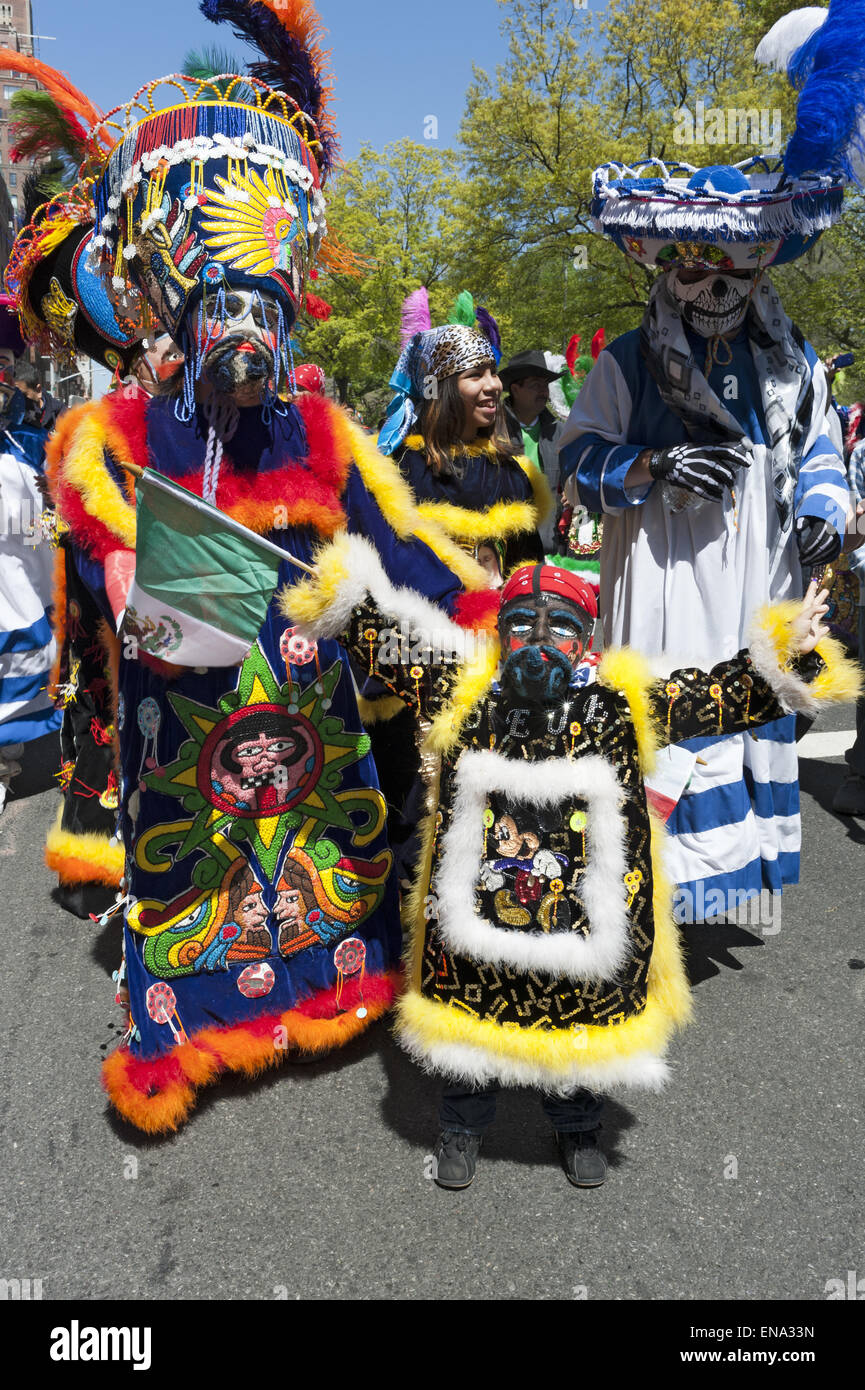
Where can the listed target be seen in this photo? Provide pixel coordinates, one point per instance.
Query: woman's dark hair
(442, 420)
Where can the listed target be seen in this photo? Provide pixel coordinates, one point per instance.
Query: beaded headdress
(216, 184)
(63, 308)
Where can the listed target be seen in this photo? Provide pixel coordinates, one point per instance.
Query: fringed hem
(157, 1095)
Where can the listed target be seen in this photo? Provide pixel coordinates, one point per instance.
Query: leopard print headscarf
(438, 353)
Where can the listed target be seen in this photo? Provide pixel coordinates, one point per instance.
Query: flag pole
(138, 472)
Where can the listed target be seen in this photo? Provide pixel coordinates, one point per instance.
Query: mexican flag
(202, 583)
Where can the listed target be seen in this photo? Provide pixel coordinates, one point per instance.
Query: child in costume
(260, 916)
(543, 950)
(706, 439)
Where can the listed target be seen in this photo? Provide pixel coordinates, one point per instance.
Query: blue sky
(396, 61)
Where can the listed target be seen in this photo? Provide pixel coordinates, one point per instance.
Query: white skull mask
(713, 305)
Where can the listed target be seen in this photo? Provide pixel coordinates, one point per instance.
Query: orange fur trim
(162, 1107)
(71, 870)
(58, 617)
(155, 1114)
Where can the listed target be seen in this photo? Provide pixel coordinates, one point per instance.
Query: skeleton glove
(705, 469)
(817, 539)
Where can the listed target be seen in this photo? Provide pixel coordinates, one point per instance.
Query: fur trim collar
(482, 448)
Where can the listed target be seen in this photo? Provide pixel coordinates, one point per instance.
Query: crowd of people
(419, 781)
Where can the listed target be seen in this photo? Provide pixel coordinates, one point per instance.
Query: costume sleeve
(399, 555)
(821, 488)
(393, 633)
(594, 454)
(763, 682)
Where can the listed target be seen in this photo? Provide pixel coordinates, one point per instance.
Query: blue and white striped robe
(684, 587)
(27, 644)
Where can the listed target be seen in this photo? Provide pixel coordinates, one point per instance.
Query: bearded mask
(714, 305)
(240, 332)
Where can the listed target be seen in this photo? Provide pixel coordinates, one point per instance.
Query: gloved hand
(817, 539)
(705, 469)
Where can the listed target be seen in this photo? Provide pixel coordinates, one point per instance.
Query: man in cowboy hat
(532, 426)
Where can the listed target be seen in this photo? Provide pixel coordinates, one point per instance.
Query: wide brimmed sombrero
(734, 217)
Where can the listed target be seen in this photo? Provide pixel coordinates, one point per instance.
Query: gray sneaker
(849, 799)
(456, 1158)
(582, 1159)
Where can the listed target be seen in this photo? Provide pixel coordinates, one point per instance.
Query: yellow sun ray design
(262, 810)
(255, 222)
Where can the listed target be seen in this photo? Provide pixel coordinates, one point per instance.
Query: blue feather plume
(286, 63)
(829, 70)
(488, 325)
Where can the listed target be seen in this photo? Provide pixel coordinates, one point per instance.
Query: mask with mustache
(239, 332)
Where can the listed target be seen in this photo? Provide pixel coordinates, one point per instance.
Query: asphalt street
(744, 1180)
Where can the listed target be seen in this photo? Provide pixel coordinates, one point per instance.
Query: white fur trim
(366, 576)
(479, 1067)
(792, 692)
(549, 783)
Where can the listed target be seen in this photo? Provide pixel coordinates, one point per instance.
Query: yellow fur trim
(841, 680)
(776, 621)
(472, 683)
(84, 469)
(668, 980)
(541, 491)
(309, 600)
(396, 502)
(84, 856)
(379, 711)
(425, 1022)
(497, 523)
(417, 444)
(625, 670)
(414, 902)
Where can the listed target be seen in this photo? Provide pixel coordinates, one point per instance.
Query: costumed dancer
(543, 950)
(27, 646)
(706, 439)
(66, 312)
(260, 918)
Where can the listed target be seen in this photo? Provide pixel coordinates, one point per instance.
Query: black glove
(817, 539)
(706, 469)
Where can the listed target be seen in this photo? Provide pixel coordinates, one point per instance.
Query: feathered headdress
(288, 34)
(415, 315)
(823, 54)
(60, 118)
(471, 315)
